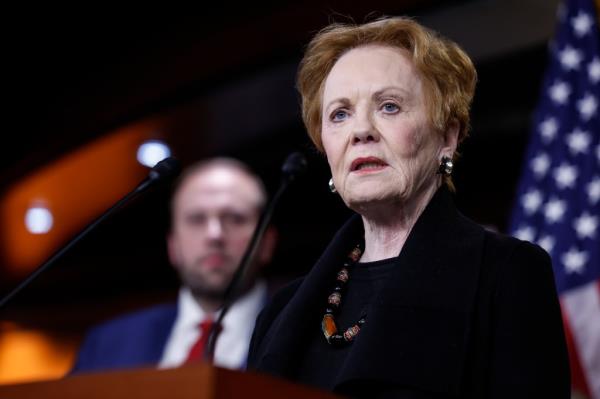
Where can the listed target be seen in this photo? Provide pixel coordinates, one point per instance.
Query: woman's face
(379, 142)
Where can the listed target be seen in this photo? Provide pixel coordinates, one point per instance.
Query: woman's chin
(369, 199)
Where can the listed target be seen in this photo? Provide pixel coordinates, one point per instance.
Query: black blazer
(467, 313)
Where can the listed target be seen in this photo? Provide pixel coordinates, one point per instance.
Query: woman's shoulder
(514, 266)
(272, 309)
(503, 247)
(282, 296)
(507, 253)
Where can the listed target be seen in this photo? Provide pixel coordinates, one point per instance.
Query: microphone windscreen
(165, 169)
(294, 165)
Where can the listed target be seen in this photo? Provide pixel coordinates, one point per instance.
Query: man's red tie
(197, 350)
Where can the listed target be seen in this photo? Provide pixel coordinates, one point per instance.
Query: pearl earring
(332, 186)
(446, 166)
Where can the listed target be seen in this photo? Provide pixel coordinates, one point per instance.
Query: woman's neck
(388, 227)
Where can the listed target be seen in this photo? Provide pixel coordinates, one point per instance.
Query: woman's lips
(367, 165)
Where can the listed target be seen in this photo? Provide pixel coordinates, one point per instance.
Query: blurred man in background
(215, 207)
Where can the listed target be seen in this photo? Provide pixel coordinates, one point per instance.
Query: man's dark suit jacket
(133, 340)
(467, 313)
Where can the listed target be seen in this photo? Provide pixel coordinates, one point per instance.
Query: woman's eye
(390, 108)
(339, 115)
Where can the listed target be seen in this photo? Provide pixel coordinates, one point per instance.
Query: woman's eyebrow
(341, 100)
(395, 91)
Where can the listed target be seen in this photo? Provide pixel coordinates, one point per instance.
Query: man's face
(215, 212)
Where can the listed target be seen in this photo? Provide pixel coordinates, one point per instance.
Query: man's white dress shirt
(234, 339)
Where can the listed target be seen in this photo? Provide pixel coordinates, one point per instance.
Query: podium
(201, 381)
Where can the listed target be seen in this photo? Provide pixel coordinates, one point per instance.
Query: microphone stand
(294, 165)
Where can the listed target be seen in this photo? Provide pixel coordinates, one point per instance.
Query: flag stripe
(578, 380)
(582, 306)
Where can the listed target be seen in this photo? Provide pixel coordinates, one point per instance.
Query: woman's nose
(364, 130)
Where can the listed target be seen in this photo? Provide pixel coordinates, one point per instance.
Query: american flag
(558, 199)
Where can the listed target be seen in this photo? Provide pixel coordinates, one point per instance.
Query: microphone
(163, 170)
(294, 166)
(166, 169)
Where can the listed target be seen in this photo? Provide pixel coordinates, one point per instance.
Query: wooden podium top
(200, 381)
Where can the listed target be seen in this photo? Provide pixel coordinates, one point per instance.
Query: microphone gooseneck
(294, 165)
(163, 170)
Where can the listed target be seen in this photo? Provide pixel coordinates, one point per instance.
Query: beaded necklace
(334, 302)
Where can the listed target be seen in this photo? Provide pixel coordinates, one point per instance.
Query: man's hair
(214, 163)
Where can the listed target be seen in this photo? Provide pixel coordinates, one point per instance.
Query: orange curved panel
(76, 189)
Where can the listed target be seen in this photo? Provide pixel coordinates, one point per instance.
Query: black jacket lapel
(286, 337)
(417, 328)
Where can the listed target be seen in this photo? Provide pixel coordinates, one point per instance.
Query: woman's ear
(450, 138)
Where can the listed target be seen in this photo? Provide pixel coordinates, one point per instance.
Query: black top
(465, 313)
(322, 362)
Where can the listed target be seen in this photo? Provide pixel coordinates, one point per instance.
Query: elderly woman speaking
(410, 299)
